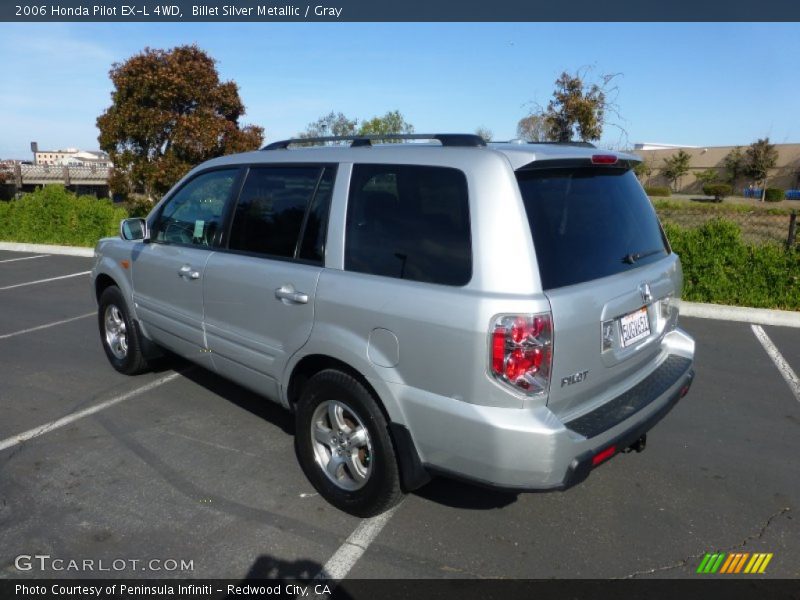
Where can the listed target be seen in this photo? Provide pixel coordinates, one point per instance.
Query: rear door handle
(291, 295)
(186, 271)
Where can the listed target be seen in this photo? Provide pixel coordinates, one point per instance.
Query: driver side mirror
(134, 229)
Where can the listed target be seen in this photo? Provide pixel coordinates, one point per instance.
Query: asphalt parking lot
(180, 465)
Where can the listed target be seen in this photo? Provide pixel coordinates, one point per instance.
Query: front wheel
(118, 333)
(343, 445)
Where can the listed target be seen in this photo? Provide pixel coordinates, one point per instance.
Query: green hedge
(720, 268)
(53, 215)
(654, 190)
(774, 194)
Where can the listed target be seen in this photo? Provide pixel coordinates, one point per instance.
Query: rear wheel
(343, 445)
(118, 333)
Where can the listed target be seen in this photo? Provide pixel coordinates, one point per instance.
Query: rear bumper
(582, 465)
(531, 449)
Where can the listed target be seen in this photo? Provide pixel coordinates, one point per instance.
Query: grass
(723, 207)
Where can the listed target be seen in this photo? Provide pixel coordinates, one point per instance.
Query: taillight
(604, 159)
(522, 351)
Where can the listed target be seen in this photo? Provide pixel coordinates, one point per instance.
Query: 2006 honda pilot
(505, 314)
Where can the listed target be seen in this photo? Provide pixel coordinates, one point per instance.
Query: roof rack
(446, 139)
(578, 144)
(520, 142)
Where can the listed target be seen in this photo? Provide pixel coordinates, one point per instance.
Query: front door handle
(186, 271)
(291, 295)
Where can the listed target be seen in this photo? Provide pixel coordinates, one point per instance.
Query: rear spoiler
(597, 161)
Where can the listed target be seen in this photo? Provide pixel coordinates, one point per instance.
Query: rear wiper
(633, 257)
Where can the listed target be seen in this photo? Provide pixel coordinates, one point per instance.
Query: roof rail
(579, 144)
(446, 139)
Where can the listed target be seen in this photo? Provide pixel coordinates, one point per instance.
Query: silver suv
(505, 314)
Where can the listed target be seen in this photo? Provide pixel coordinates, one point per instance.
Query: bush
(53, 215)
(653, 190)
(720, 268)
(774, 194)
(138, 205)
(718, 190)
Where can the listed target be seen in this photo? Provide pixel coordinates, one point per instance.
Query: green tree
(532, 128)
(331, 124)
(392, 122)
(643, 170)
(734, 165)
(485, 133)
(170, 111)
(706, 176)
(760, 157)
(578, 108)
(676, 166)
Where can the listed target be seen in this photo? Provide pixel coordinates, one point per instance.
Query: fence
(757, 227)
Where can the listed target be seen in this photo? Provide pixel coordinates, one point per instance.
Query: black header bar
(397, 11)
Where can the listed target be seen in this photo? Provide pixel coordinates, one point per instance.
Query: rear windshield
(589, 222)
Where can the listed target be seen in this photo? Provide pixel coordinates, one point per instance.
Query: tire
(119, 334)
(362, 477)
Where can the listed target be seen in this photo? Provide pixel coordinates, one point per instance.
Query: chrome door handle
(286, 293)
(186, 271)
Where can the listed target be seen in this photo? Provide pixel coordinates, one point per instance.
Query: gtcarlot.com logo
(735, 562)
(45, 562)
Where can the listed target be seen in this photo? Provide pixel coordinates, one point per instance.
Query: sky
(696, 84)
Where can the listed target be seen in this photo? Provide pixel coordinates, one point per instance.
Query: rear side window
(271, 212)
(409, 222)
(589, 223)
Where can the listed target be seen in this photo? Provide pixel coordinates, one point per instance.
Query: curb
(721, 312)
(47, 249)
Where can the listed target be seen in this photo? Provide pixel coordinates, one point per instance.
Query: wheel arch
(101, 283)
(412, 472)
(310, 365)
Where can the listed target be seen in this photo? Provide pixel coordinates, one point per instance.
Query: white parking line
(71, 418)
(24, 258)
(17, 285)
(45, 326)
(339, 565)
(785, 370)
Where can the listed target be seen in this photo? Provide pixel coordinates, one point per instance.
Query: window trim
(303, 228)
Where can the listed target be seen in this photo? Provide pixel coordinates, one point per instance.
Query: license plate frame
(634, 327)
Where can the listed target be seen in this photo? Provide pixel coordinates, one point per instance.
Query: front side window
(409, 222)
(272, 208)
(193, 216)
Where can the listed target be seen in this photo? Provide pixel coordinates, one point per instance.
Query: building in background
(785, 175)
(80, 171)
(70, 157)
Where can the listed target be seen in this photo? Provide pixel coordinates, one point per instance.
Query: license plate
(634, 326)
